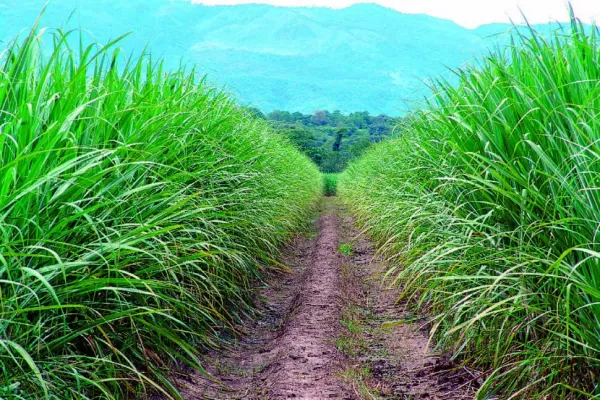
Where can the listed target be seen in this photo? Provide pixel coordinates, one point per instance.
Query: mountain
(365, 57)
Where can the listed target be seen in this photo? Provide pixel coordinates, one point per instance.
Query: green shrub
(489, 207)
(330, 184)
(138, 208)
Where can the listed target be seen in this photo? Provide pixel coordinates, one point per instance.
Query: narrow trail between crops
(320, 332)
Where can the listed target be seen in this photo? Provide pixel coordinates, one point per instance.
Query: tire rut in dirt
(308, 359)
(288, 351)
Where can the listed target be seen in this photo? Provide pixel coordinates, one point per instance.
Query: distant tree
(361, 120)
(302, 138)
(382, 119)
(298, 117)
(317, 154)
(359, 147)
(337, 144)
(281, 116)
(256, 113)
(336, 118)
(274, 115)
(378, 131)
(320, 118)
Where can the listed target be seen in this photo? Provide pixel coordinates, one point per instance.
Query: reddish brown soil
(292, 349)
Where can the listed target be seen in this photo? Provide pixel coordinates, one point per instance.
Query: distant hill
(364, 57)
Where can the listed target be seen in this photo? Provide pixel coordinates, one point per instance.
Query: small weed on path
(346, 249)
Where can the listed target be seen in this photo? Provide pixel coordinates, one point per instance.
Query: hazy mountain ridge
(365, 57)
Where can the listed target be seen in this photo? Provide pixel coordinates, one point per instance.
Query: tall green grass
(330, 184)
(137, 209)
(488, 207)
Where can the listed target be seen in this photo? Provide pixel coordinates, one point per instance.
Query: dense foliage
(488, 208)
(137, 208)
(332, 139)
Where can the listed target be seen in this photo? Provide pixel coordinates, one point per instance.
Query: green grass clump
(137, 208)
(330, 184)
(489, 208)
(346, 249)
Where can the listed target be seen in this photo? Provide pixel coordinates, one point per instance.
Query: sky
(468, 13)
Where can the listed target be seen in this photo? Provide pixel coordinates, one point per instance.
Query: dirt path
(307, 357)
(386, 342)
(329, 330)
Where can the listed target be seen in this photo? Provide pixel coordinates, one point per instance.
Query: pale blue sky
(469, 13)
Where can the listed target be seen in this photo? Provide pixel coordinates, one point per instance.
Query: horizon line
(232, 3)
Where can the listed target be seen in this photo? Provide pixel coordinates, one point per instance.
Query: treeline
(332, 139)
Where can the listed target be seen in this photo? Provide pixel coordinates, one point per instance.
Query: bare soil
(389, 344)
(330, 330)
